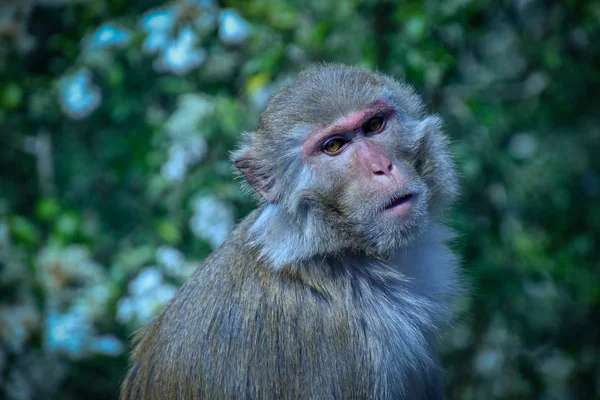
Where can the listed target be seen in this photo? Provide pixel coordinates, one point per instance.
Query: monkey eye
(333, 145)
(373, 125)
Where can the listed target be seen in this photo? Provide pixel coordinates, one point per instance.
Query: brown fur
(309, 298)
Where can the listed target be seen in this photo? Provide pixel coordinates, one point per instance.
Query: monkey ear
(246, 164)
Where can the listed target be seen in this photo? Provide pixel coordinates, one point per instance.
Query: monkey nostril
(379, 169)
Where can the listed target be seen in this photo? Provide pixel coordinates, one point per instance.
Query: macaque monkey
(337, 285)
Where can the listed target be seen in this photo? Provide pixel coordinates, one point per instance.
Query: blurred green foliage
(116, 119)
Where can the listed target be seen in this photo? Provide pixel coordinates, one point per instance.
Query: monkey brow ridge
(348, 123)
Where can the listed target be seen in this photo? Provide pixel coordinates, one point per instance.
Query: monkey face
(352, 158)
(359, 166)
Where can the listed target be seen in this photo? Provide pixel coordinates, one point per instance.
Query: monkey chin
(398, 224)
(394, 229)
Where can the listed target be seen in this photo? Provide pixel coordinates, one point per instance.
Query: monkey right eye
(334, 145)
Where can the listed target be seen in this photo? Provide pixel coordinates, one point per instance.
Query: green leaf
(24, 231)
(168, 231)
(47, 208)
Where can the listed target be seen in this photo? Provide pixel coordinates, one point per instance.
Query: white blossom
(158, 25)
(147, 280)
(176, 166)
(109, 35)
(73, 334)
(191, 109)
(207, 18)
(158, 20)
(169, 257)
(174, 262)
(489, 362)
(78, 96)
(558, 366)
(522, 146)
(57, 266)
(212, 220)
(233, 29)
(68, 333)
(148, 294)
(106, 344)
(188, 146)
(191, 150)
(94, 299)
(69, 325)
(261, 95)
(204, 4)
(181, 54)
(155, 42)
(17, 323)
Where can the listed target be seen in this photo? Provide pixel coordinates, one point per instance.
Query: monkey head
(345, 159)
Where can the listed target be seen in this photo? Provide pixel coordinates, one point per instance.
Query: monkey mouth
(400, 200)
(401, 205)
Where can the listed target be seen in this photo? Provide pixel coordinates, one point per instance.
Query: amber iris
(373, 125)
(334, 145)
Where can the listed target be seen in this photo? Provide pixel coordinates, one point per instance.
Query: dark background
(116, 118)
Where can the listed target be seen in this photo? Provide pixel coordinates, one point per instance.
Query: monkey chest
(320, 350)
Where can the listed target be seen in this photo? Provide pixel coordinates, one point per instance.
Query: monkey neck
(425, 269)
(284, 240)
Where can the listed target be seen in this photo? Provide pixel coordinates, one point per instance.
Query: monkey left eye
(373, 125)
(334, 145)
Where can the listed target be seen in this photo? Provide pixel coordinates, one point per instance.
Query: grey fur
(307, 299)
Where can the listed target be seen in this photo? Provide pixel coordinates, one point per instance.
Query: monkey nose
(383, 169)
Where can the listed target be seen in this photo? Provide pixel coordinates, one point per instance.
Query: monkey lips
(401, 205)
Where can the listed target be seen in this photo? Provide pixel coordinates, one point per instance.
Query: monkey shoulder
(240, 328)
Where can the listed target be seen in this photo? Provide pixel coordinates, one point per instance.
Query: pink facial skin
(370, 159)
(351, 122)
(377, 170)
(377, 173)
